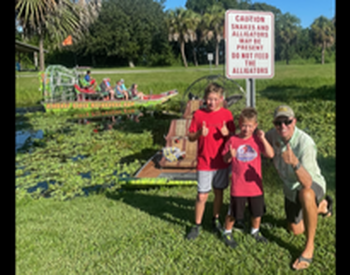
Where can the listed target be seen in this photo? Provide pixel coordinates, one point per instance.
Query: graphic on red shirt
(246, 153)
(210, 147)
(246, 166)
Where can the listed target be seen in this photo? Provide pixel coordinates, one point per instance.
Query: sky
(306, 10)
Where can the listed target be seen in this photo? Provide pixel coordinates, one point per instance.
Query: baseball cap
(283, 110)
(122, 80)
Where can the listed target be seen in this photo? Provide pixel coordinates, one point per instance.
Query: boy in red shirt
(243, 151)
(211, 127)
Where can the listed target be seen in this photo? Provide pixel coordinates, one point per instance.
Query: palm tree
(288, 27)
(323, 33)
(181, 25)
(55, 19)
(195, 20)
(213, 27)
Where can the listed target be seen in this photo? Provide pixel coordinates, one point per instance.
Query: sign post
(210, 59)
(249, 47)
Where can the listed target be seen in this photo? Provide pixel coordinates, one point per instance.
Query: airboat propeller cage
(57, 83)
(234, 94)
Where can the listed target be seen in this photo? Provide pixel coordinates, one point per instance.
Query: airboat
(64, 90)
(176, 163)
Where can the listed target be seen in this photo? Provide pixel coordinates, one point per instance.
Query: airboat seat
(83, 83)
(177, 137)
(191, 107)
(84, 93)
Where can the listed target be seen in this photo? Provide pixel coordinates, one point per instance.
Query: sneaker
(217, 227)
(239, 226)
(259, 237)
(193, 233)
(228, 240)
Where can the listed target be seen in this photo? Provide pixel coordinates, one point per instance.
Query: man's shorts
(218, 179)
(294, 211)
(237, 206)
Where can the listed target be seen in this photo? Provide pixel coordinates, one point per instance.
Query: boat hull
(152, 175)
(108, 105)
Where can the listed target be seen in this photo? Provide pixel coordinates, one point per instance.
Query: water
(22, 136)
(26, 137)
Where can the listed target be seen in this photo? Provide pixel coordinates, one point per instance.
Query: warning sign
(249, 44)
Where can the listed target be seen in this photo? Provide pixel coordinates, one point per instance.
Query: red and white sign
(249, 44)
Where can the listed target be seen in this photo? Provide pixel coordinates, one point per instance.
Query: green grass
(122, 231)
(291, 76)
(143, 232)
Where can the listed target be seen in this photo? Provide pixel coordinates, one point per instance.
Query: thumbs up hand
(289, 157)
(205, 130)
(224, 131)
(233, 152)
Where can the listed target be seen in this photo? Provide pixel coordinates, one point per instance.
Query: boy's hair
(249, 113)
(87, 72)
(213, 88)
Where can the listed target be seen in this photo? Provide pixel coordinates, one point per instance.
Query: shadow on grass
(280, 223)
(180, 211)
(22, 122)
(327, 166)
(294, 92)
(171, 209)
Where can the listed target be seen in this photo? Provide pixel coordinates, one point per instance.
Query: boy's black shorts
(237, 206)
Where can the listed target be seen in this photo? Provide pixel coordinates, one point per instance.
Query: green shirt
(305, 150)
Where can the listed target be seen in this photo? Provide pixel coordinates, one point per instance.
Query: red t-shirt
(246, 166)
(209, 155)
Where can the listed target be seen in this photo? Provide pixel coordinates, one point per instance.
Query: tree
(288, 28)
(242, 5)
(201, 6)
(127, 32)
(54, 19)
(214, 19)
(195, 19)
(182, 28)
(265, 7)
(323, 33)
(277, 14)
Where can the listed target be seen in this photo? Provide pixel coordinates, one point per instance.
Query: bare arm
(268, 152)
(302, 174)
(227, 157)
(194, 136)
(231, 153)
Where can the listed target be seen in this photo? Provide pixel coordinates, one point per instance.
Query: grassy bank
(27, 84)
(143, 232)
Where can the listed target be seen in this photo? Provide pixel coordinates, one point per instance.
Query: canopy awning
(23, 47)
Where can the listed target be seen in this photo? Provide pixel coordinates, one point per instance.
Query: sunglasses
(279, 122)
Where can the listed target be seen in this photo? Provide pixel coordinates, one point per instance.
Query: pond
(107, 119)
(23, 135)
(73, 155)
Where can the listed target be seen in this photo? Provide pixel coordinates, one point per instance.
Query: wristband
(296, 167)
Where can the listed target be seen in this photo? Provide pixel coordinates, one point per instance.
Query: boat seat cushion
(177, 137)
